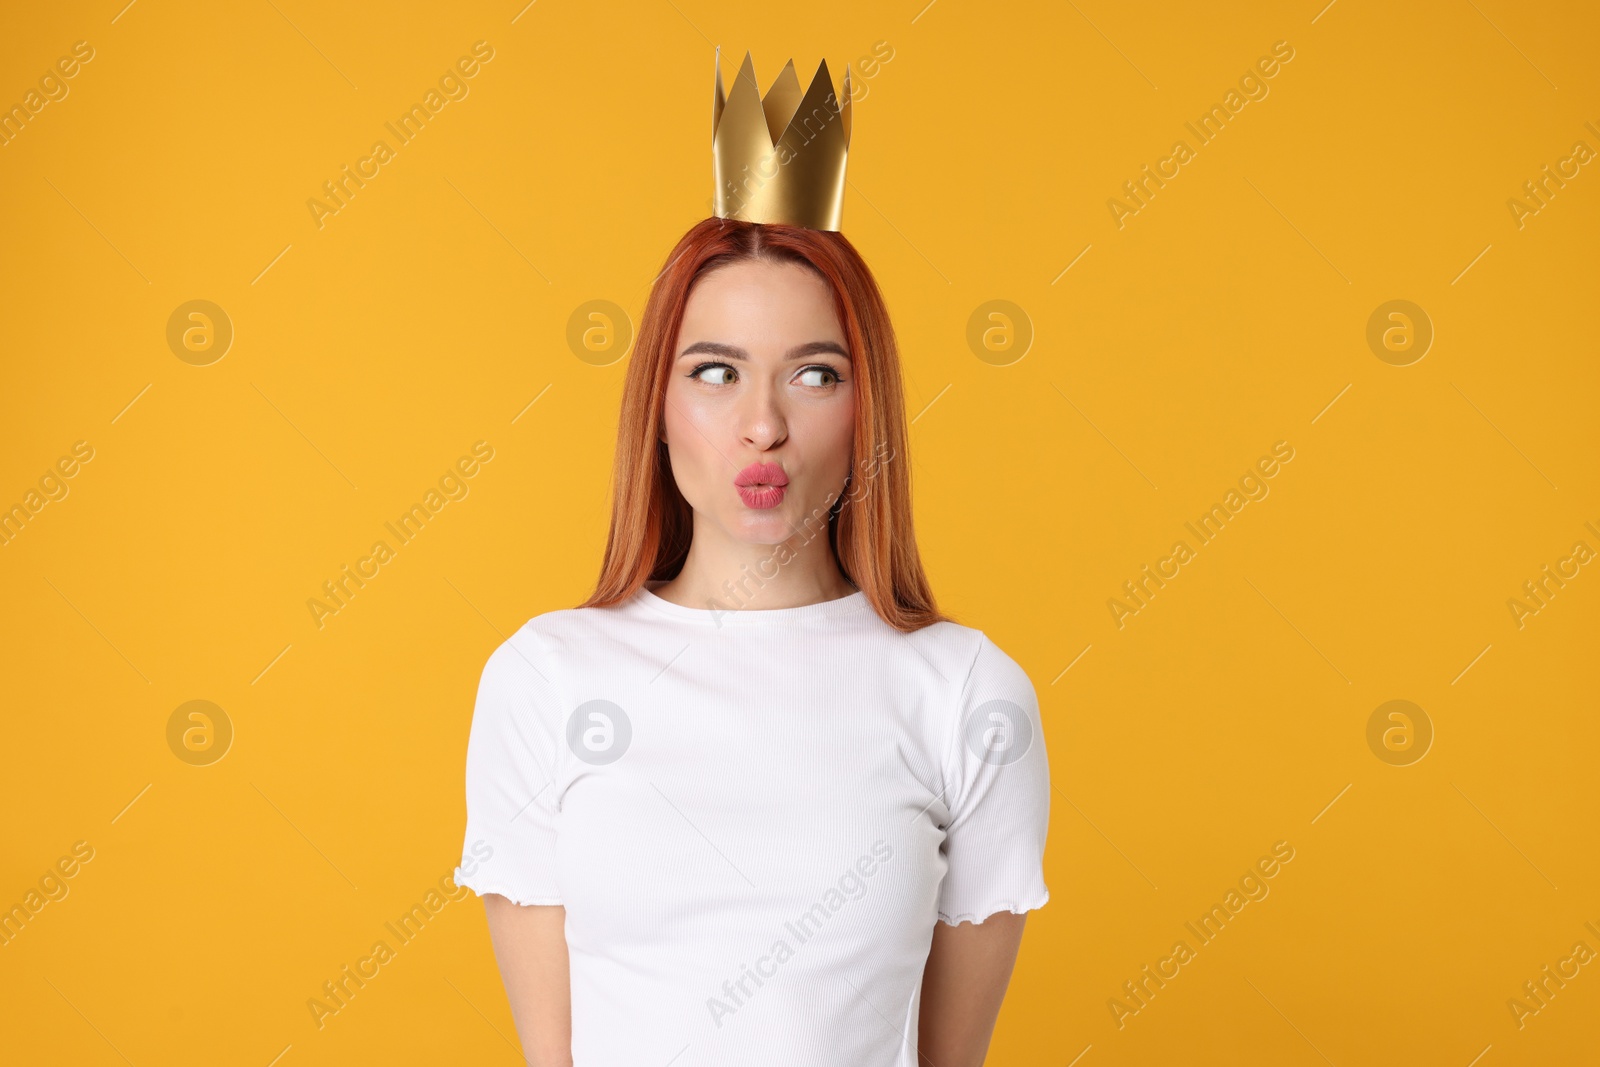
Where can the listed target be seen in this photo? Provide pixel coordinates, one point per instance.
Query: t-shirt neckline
(845, 605)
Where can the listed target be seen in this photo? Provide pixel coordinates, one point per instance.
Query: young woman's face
(761, 393)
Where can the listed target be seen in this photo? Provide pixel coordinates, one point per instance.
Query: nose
(762, 421)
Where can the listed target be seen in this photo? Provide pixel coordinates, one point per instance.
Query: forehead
(754, 302)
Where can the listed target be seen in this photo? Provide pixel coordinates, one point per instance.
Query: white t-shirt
(754, 819)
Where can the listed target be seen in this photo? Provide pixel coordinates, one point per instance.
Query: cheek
(692, 424)
(833, 429)
(686, 413)
(824, 438)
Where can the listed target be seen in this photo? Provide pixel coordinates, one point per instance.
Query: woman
(756, 802)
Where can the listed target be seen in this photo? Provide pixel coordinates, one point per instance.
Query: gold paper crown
(781, 158)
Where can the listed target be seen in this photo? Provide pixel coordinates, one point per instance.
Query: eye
(831, 378)
(717, 372)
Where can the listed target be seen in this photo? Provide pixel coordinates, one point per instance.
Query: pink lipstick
(761, 485)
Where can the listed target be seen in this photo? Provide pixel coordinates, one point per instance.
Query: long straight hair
(868, 525)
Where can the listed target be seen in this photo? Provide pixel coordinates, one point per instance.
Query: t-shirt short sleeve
(997, 793)
(512, 764)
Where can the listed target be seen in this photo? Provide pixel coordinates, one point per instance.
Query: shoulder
(994, 668)
(968, 658)
(990, 691)
(949, 645)
(546, 640)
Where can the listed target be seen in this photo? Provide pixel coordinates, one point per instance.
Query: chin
(762, 527)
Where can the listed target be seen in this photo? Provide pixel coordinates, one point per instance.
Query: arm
(530, 947)
(969, 966)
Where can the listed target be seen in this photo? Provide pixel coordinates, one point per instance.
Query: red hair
(868, 525)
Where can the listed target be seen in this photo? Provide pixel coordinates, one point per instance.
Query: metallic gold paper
(780, 159)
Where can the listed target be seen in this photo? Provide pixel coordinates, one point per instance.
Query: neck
(732, 575)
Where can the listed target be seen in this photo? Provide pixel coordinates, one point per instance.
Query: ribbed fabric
(753, 818)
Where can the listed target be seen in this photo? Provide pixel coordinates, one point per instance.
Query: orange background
(1167, 355)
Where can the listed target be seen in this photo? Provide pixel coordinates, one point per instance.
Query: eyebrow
(810, 348)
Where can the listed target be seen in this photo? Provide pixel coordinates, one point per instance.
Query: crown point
(778, 158)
